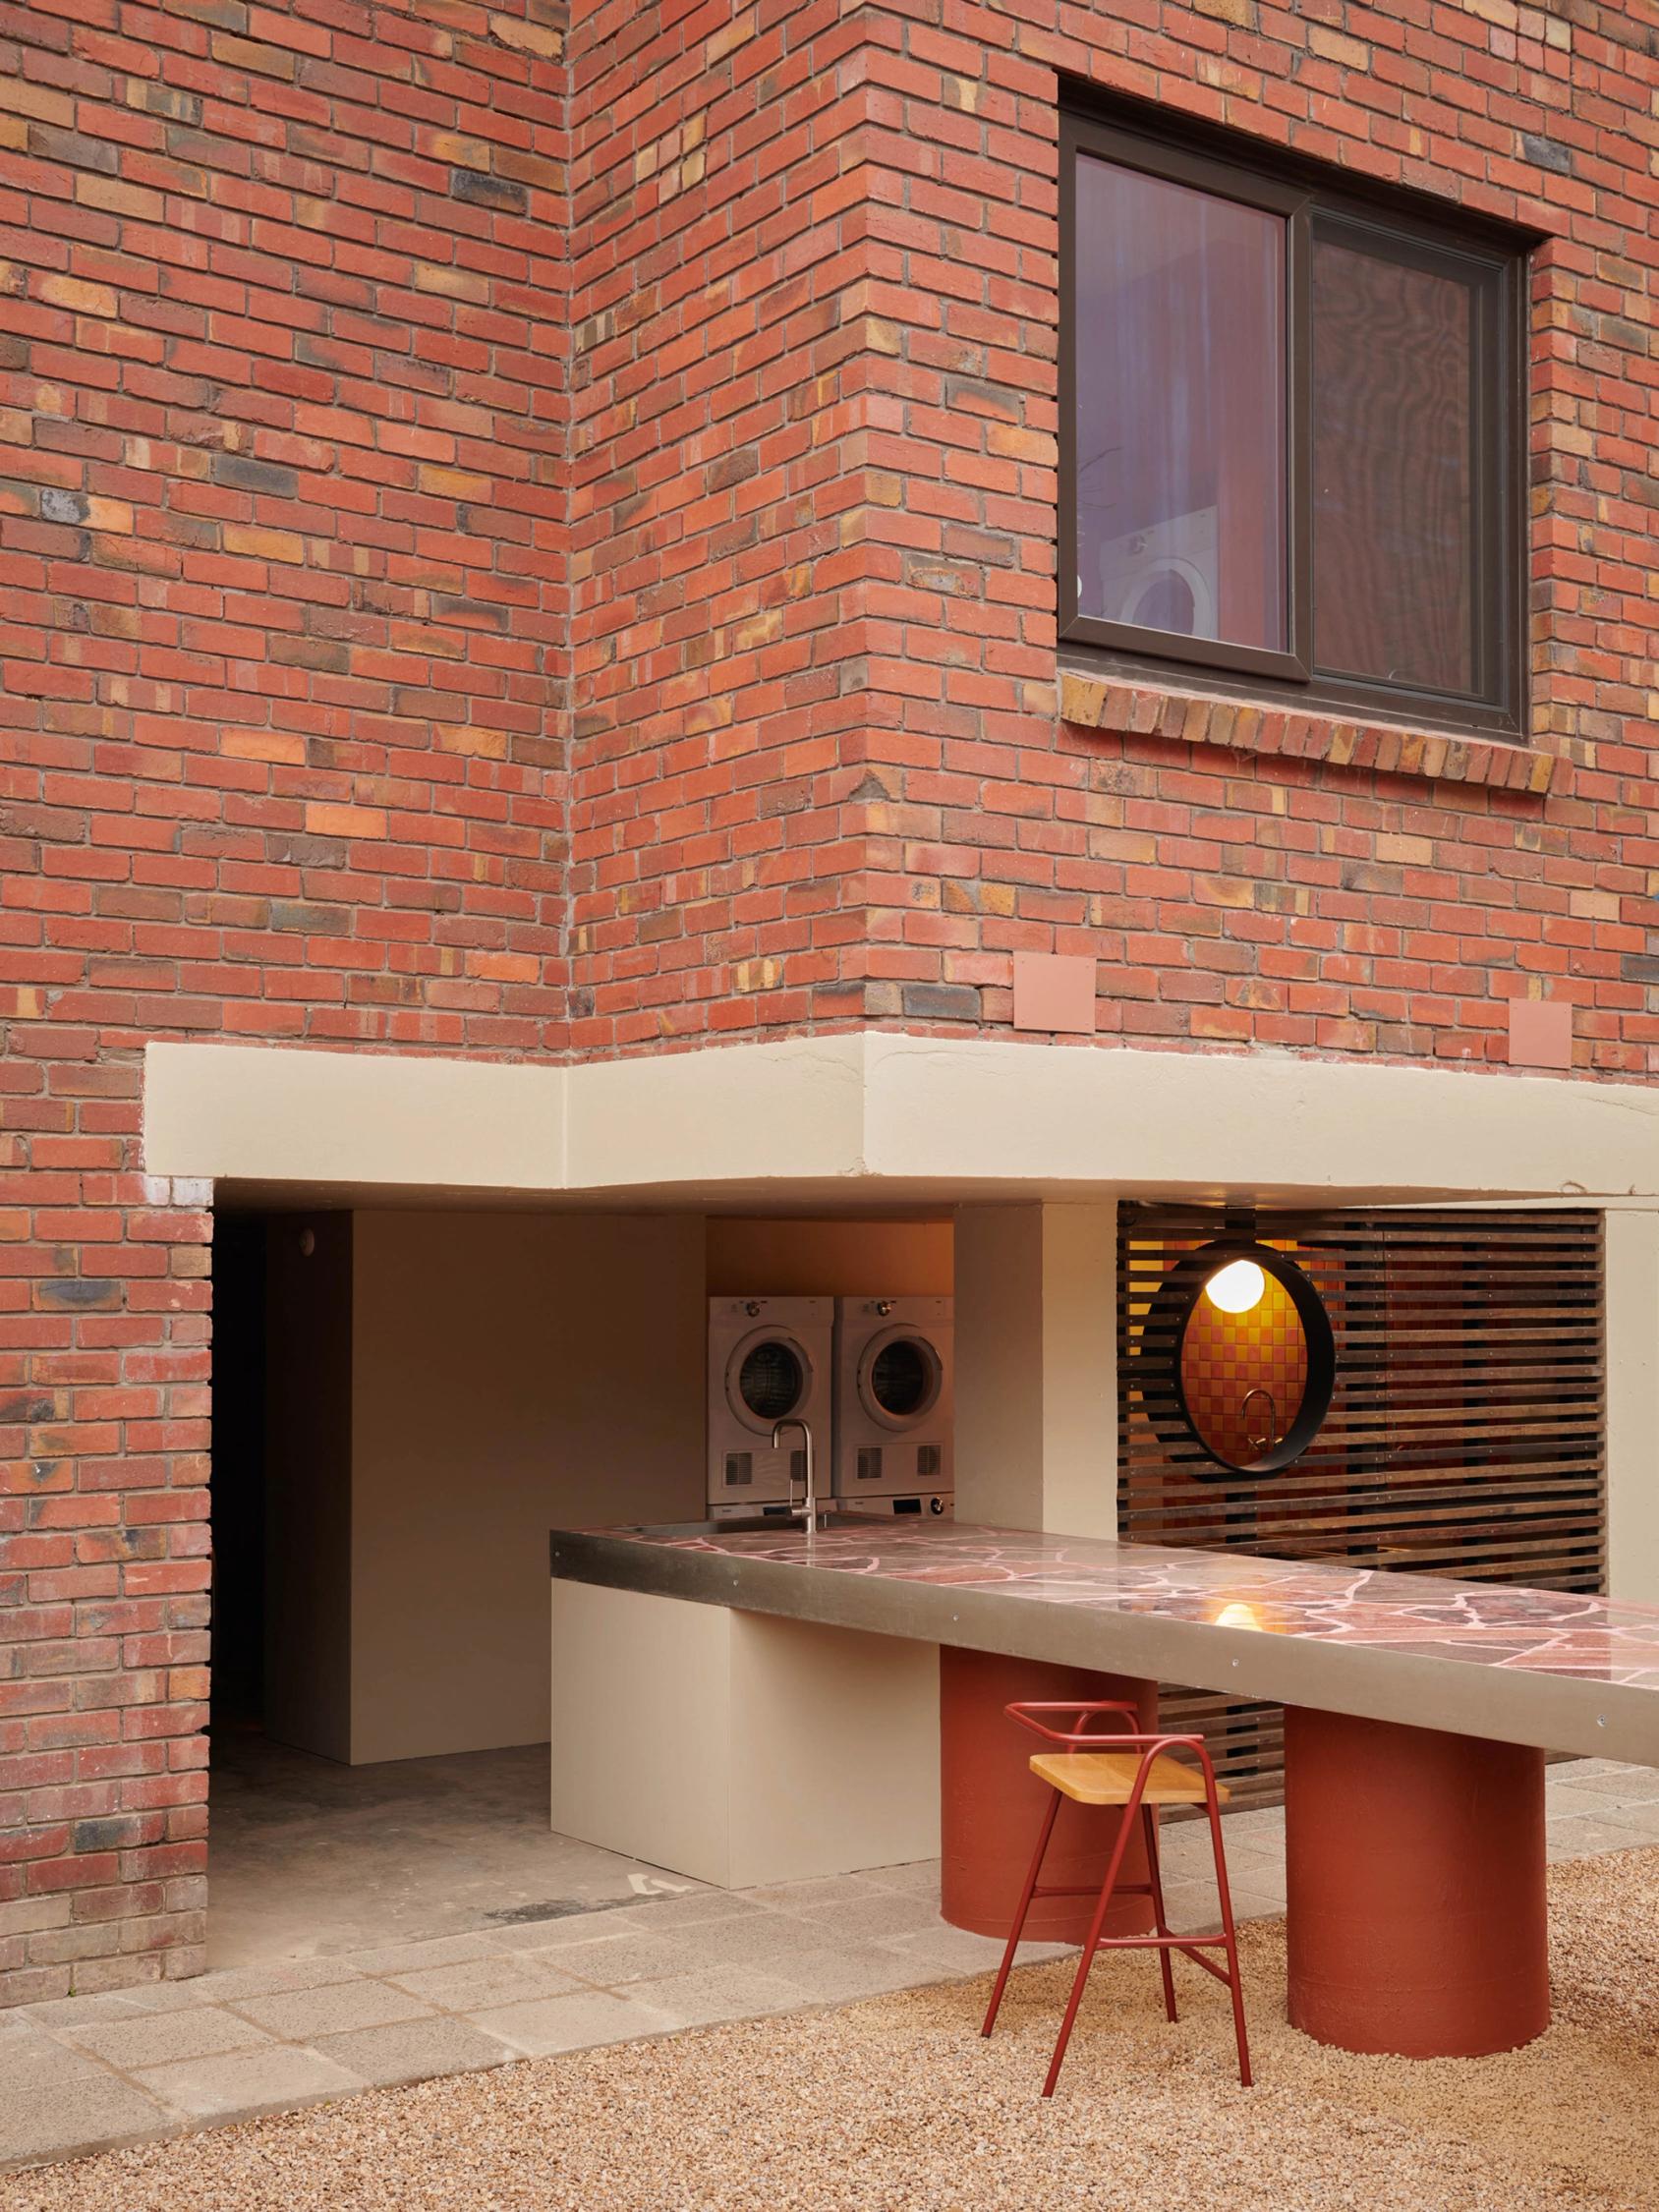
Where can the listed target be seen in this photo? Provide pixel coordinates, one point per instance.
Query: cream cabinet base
(737, 1748)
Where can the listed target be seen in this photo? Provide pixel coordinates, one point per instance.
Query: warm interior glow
(1236, 1287)
(1237, 1614)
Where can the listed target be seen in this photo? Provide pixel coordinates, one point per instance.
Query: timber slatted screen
(1465, 1430)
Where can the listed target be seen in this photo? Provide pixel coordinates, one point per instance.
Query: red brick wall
(821, 772)
(282, 584)
(1237, 896)
(717, 498)
(314, 561)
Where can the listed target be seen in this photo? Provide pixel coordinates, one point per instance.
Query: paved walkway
(83, 2073)
(311, 1858)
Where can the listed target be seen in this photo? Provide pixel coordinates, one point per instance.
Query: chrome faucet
(1270, 1437)
(807, 1508)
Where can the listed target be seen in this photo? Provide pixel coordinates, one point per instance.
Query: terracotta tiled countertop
(1564, 1670)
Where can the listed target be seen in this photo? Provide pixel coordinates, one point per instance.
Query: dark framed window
(1293, 426)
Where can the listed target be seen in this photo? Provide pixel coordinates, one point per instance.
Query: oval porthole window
(1238, 1358)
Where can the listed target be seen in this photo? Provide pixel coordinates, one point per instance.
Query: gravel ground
(898, 2106)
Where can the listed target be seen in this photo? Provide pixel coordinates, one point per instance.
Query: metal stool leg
(1025, 1896)
(1234, 1979)
(1091, 1943)
(1071, 1778)
(1149, 1823)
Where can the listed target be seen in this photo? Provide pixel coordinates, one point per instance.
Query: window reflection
(1180, 409)
(1392, 465)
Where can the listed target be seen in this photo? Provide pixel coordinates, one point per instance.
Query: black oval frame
(1173, 1305)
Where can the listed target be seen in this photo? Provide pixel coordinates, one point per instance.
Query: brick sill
(1103, 702)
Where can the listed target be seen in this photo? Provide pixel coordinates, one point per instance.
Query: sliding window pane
(1180, 409)
(1395, 535)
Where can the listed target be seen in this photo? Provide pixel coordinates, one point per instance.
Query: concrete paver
(830, 1891)
(692, 1910)
(1584, 1837)
(864, 1919)
(718, 1993)
(577, 2023)
(205, 2031)
(769, 1942)
(81, 2073)
(1629, 1785)
(245, 2083)
(416, 2050)
(300, 2015)
(54, 2101)
(399, 1958)
(957, 1951)
(854, 1969)
(472, 1985)
(234, 1985)
(640, 1957)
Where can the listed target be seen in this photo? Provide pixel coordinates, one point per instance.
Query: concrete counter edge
(1556, 1712)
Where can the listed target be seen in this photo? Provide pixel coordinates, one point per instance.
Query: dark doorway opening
(310, 1855)
(238, 1471)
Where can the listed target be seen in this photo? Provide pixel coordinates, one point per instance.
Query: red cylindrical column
(991, 1805)
(1414, 1877)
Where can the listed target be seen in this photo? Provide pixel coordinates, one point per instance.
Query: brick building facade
(529, 534)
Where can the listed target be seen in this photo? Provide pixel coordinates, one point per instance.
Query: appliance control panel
(928, 1505)
(936, 1504)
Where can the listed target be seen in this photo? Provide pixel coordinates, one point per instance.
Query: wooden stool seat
(1108, 1778)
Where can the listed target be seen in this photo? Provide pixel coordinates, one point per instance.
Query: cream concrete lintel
(279, 1115)
(876, 1112)
(1250, 1121)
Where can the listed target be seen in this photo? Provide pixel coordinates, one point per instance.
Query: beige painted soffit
(792, 1110)
(265, 1114)
(860, 1110)
(1147, 1120)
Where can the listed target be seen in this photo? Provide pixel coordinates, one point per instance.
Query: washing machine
(769, 1359)
(894, 1404)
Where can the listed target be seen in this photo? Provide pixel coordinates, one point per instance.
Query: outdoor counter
(1565, 1671)
(762, 1704)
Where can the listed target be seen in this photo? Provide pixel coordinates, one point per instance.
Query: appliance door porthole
(899, 1378)
(769, 1378)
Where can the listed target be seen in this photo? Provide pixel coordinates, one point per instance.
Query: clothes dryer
(894, 1404)
(769, 1359)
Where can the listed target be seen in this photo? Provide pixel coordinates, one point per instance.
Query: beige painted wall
(824, 1259)
(508, 1372)
(833, 1750)
(307, 1482)
(640, 1704)
(737, 1748)
(512, 1372)
(999, 1365)
(1632, 1406)
(1037, 1367)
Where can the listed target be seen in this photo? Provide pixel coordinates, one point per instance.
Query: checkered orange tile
(1227, 1357)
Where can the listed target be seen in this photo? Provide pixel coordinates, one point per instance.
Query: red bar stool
(1130, 1770)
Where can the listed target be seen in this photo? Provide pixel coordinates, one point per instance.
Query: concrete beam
(871, 1117)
